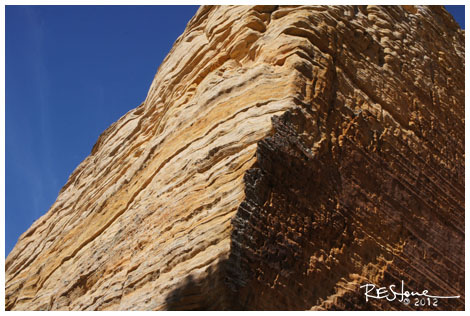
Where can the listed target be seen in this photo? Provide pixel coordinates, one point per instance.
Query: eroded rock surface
(283, 157)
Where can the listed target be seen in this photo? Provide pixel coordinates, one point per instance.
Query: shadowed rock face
(284, 156)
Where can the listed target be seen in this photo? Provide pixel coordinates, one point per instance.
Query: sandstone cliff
(283, 157)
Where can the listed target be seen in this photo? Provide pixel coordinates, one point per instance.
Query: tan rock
(283, 157)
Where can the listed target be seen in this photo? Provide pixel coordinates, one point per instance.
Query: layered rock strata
(284, 156)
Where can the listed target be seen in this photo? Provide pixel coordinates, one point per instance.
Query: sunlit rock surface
(284, 156)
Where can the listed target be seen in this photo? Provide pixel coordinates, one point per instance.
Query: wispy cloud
(46, 178)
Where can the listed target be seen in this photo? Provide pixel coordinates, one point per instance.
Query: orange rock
(283, 157)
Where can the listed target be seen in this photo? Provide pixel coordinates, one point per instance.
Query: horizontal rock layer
(284, 156)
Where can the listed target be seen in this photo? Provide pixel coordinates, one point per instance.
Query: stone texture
(283, 157)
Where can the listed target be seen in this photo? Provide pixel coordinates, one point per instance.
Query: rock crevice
(283, 157)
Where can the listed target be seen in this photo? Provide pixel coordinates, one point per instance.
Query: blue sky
(71, 71)
(458, 11)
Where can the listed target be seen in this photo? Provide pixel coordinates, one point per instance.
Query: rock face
(284, 156)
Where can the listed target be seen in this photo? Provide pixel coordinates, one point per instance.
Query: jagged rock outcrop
(284, 156)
